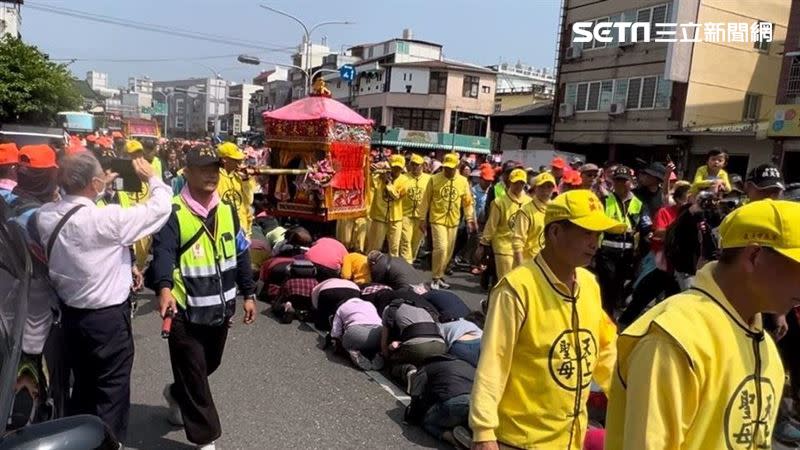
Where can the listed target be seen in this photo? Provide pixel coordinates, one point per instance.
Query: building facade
(520, 86)
(239, 107)
(11, 18)
(194, 106)
(784, 127)
(623, 100)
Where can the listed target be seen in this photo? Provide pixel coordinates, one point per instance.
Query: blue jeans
(446, 415)
(468, 351)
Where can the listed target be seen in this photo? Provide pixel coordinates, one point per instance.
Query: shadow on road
(154, 420)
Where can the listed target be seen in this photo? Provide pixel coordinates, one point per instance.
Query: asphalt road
(276, 388)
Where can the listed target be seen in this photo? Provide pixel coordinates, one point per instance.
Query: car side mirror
(76, 432)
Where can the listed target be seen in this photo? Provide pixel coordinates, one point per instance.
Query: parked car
(78, 432)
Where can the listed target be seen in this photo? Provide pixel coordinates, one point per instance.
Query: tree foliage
(33, 88)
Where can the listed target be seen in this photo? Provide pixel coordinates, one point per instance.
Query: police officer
(200, 257)
(615, 259)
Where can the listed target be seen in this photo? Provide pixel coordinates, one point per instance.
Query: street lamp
(307, 37)
(166, 113)
(254, 61)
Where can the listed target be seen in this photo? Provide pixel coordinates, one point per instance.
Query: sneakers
(360, 360)
(410, 373)
(439, 284)
(377, 362)
(462, 436)
(174, 417)
(210, 446)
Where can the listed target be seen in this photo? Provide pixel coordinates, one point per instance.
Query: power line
(154, 28)
(135, 60)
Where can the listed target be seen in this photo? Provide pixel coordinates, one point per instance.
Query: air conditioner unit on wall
(573, 53)
(566, 110)
(616, 109)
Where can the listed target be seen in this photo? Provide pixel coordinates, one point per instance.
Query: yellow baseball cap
(769, 223)
(133, 146)
(543, 178)
(230, 150)
(450, 160)
(397, 161)
(417, 159)
(582, 208)
(517, 175)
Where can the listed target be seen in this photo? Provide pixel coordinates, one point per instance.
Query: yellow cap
(582, 208)
(230, 150)
(417, 159)
(450, 160)
(133, 146)
(769, 223)
(397, 161)
(543, 178)
(517, 175)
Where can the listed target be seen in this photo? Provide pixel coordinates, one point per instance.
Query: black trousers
(652, 285)
(614, 267)
(100, 356)
(195, 352)
(791, 357)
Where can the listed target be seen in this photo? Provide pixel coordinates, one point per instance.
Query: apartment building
(622, 100)
(785, 121)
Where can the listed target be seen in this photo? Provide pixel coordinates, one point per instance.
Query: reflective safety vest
(204, 280)
(630, 216)
(157, 168)
(121, 200)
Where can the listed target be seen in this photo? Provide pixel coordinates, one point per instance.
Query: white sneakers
(174, 417)
(439, 284)
(210, 446)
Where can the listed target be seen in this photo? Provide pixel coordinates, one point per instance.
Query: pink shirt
(327, 252)
(354, 312)
(195, 206)
(7, 184)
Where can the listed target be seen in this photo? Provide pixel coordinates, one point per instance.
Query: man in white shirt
(90, 268)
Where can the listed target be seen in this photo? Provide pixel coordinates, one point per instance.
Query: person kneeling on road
(357, 329)
(409, 337)
(200, 256)
(463, 337)
(440, 396)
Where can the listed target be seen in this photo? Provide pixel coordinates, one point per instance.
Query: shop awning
(430, 140)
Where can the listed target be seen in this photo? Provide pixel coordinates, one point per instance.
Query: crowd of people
(571, 256)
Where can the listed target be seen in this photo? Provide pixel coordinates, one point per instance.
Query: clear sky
(477, 31)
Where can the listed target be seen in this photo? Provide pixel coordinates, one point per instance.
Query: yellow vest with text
(447, 197)
(414, 205)
(563, 343)
(238, 193)
(204, 279)
(725, 357)
(503, 214)
(529, 229)
(387, 200)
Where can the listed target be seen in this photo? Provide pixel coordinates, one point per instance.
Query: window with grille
(417, 119)
(793, 82)
(471, 86)
(752, 104)
(634, 89)
(438, 83)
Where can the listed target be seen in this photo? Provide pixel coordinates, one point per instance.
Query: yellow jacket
(529, 229)
(387, 199)
(685, 377)
(355, 268)
(239, 193)
(446, 197)
(533, 377)
(414, 205)
(503, 214)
